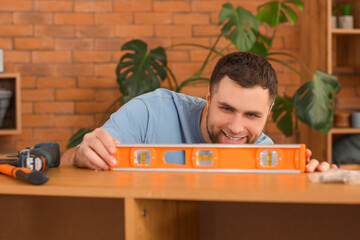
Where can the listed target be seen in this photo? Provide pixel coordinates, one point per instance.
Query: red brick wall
(67, 50)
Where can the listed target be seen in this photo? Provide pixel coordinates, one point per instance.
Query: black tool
(37, 158)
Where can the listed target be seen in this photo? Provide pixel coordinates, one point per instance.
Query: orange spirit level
(278, 158)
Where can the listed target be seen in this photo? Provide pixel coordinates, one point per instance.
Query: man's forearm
(68, 158)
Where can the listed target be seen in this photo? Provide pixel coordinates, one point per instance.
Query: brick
(202, 31)
(15, 30)
(96, 82)
(33, 43)
(346, 92)
(191, 18)
(38, 70)
(105, 95)
(132, 6)
(185, 68)
(350, 103)
(37, 95)
(74, 70)
(199, 90)
(55, 31)
(74, 18)
(173, 6)
(53, 6)
(51, 56)
(105, 70)
(172, 31)
(70, 44)
(26, 108)
(54, 82)
(153, 18)
(199, 55)
(54, 107)
(207, 6)
(96, 6)
(92, 107)
(6, 43)
(5, 18)
(114, 18)
(74, 94)
(278, 43)
(111, 44)
(288, 78)
(49, 134)
(95, 31)
(134, 31)
(91, 56)
(26, 134)
(177, 56)
(17, 56)
(15, 5)
(181, 40)
(28, 82)
(33, 18)
(74, 121)
(38, 120)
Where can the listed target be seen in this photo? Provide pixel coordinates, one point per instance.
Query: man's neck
(203, 125)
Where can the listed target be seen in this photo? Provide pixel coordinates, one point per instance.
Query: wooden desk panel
(85, 204)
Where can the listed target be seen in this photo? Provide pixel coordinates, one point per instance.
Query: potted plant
(141, 70)
(334, 11)
(346, 21)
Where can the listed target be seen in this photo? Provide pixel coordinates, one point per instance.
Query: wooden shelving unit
(11, 123)
(335, 51)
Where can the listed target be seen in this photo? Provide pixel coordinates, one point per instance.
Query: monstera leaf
(274, 13)
(282, 113)
(315, 101)
(240, 26)
(140, 71)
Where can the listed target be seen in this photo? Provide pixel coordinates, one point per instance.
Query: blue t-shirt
(161, 117)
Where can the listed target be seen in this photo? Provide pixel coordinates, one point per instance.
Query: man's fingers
(106, 139)
(324, 166)
(312, 165)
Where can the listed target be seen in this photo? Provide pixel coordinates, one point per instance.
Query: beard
(215, 136)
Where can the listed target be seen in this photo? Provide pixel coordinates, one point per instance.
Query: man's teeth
(231, 138)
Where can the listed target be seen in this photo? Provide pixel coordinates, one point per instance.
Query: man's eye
(252, 115)
(226, 109)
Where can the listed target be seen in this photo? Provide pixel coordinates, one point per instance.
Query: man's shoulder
(264, 139)
(162, 94)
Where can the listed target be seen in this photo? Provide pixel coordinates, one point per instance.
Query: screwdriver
(25, 174)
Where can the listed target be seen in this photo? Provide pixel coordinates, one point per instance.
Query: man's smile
(233, 139)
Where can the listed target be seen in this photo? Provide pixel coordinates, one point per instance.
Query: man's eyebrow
(224, 104)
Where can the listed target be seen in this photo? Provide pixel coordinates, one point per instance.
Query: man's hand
(94, 152)
(313, 164)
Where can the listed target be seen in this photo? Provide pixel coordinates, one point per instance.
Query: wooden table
(87, 204)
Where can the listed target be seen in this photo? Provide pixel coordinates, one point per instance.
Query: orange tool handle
(25, 174)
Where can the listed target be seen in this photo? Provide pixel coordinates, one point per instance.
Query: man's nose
(237, 124)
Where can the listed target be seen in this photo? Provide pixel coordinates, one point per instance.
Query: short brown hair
(248, 70)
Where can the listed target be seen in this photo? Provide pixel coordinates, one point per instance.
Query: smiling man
(242, 90)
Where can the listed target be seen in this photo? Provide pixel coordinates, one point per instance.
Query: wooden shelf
(340, 31)
(344, 131)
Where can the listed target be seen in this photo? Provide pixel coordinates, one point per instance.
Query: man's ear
(208, 97)
(271, 106)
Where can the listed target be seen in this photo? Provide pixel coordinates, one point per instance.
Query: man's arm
(94, 152)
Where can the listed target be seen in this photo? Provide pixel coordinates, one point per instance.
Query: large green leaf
(315, 102)
(140, 71)
(239, 26)
(282, 113)
(275, 12)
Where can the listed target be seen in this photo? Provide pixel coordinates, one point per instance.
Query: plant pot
(355, 120)
(333, 22)
(346, 22)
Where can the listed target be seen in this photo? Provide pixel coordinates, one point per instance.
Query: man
(243, 87)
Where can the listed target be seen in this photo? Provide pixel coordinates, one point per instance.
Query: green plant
(313, 103)
(346, 9)
(334, 10)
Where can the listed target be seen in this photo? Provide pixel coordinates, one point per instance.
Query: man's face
(236, 114)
